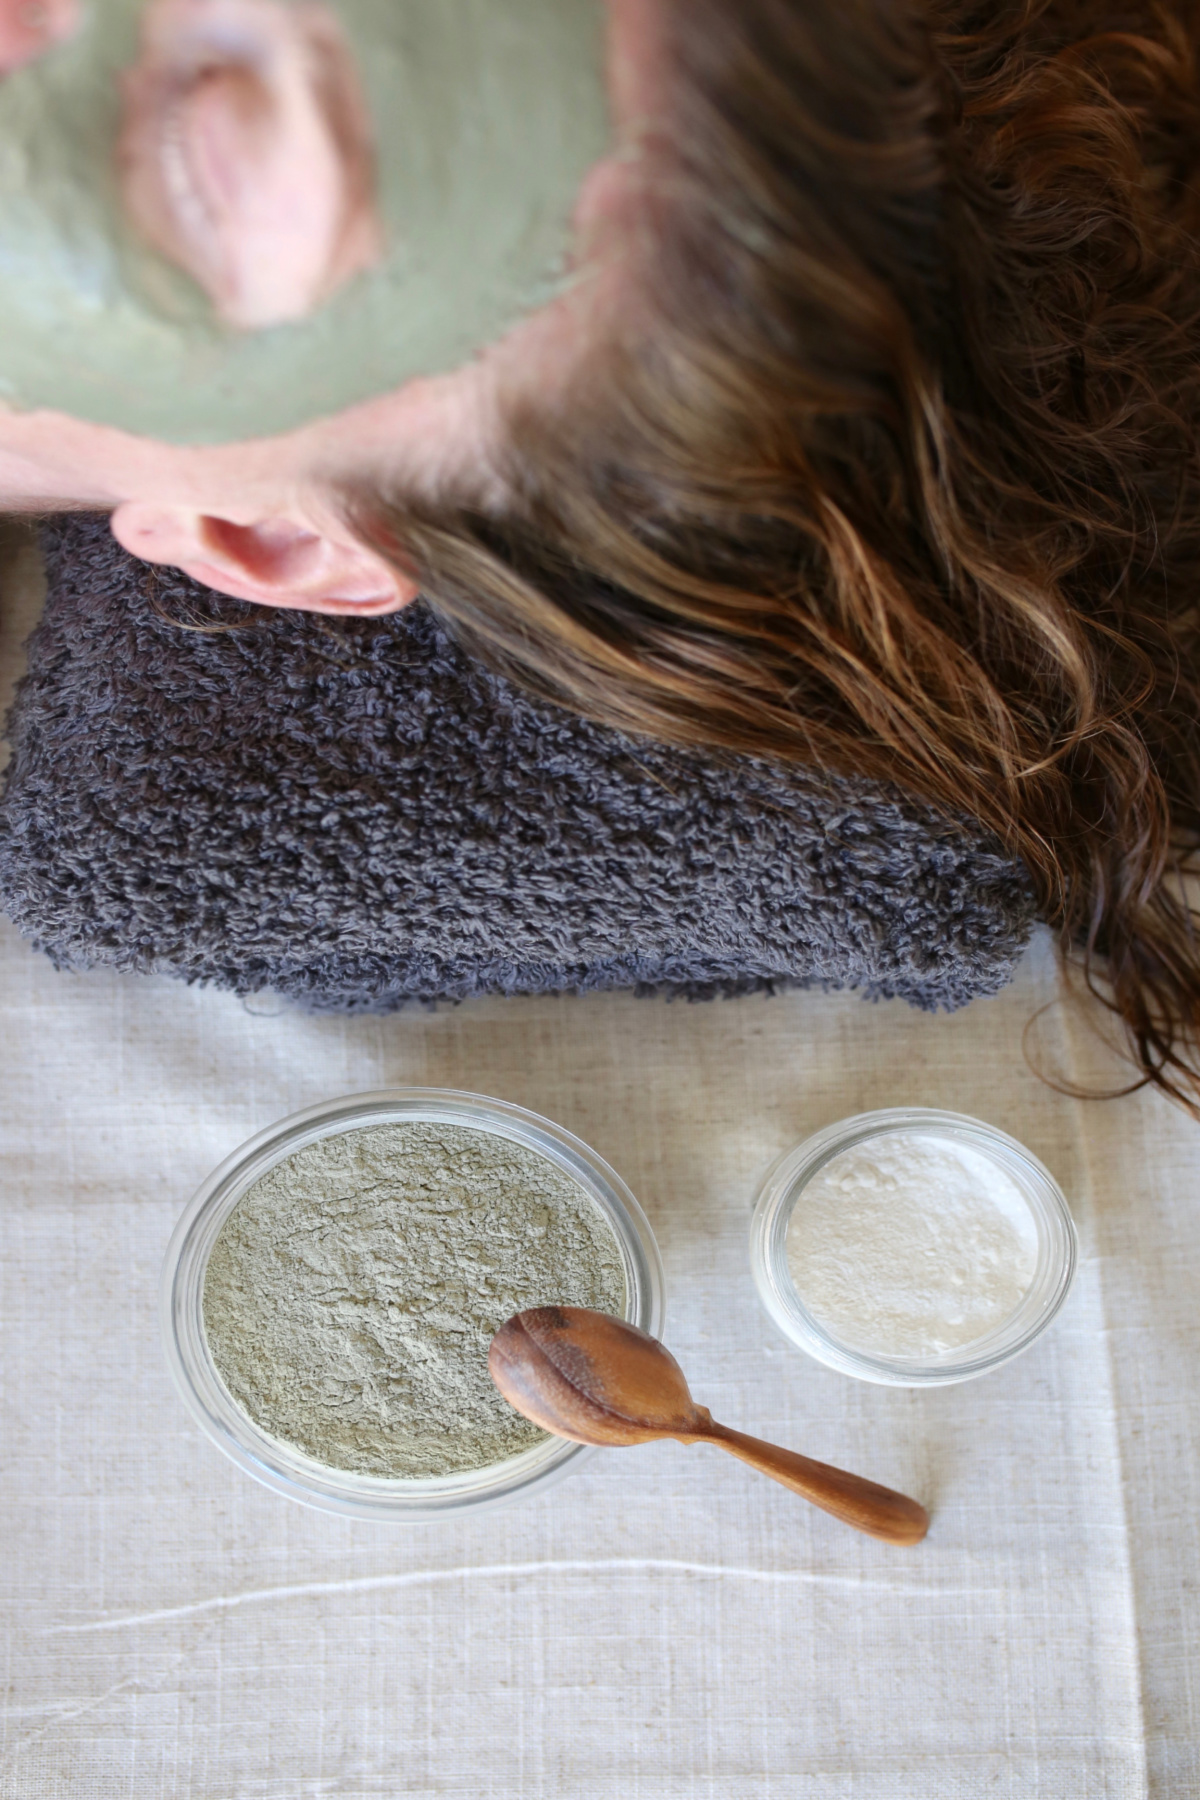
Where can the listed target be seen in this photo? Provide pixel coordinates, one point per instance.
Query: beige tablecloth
(664, 1626)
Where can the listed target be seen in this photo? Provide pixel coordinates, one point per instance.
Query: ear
(274, 562)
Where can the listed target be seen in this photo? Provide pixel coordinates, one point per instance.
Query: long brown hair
(898, 474)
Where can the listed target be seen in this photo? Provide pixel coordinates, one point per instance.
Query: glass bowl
(288, 1470)
(784, 1185)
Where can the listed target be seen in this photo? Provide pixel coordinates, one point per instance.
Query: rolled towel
(356, 815)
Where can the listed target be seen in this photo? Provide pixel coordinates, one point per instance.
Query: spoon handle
(878, 1511)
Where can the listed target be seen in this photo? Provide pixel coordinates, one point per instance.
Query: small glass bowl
(785, 1183)
(288, 1470)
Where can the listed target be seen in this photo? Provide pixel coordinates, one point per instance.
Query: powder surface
(353, 1292)
(911, 1244)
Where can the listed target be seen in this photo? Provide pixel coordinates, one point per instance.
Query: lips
(245, 156)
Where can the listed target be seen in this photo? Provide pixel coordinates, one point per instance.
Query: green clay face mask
(484, 118)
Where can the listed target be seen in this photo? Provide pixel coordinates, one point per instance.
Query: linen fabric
(358, 816)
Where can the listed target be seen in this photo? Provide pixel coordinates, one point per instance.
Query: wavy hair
(898, 474)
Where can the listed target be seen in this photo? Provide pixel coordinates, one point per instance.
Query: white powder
(353, 1291)
(911, 1244)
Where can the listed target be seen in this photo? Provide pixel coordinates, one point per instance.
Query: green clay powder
(353, 1292)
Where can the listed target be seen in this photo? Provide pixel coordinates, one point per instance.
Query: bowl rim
(289, 1471)
(785, 1181)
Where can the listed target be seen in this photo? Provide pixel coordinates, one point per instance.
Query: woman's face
(251, 250)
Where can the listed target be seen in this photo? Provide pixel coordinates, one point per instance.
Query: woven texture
(663, 1625)
(359, 816)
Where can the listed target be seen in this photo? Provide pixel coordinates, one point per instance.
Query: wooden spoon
(586, 1376)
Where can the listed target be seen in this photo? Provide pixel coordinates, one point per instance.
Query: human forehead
(484, 116)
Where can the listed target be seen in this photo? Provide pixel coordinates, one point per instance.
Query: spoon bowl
(599, 1380)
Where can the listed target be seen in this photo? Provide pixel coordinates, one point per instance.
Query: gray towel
(355, 815)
